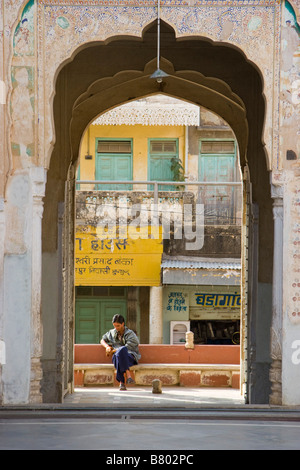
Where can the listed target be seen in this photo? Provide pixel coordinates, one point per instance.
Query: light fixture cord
(158, 32)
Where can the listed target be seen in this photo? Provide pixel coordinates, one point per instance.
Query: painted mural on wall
(23, 41)
(22, 102)
(22, 111)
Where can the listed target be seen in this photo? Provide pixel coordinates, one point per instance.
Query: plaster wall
(17, 329)
(17, 292)
(289, 180)
(291, 290)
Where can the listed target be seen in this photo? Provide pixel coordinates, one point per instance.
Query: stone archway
(102, 76)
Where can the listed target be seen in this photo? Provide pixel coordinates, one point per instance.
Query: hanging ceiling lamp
(158, 74)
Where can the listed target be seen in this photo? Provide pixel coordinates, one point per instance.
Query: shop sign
(215, 304)
(116, 261)
(177, 302)
(218, 300)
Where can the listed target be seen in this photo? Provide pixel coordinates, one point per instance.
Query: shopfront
(211, 309)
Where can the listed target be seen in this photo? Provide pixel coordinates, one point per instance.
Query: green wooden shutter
(109, 308)
(93, 318)
(216, 164)
(87, 319)
(114, 163)
(161, 154)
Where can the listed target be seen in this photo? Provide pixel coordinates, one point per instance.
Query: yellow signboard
(108, 261)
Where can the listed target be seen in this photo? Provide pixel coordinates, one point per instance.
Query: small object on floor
(156, 386)
(130, 381)
(122, 387)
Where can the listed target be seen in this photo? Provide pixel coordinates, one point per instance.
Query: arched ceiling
(190, 86)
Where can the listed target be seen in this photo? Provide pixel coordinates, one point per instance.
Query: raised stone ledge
(190, 375)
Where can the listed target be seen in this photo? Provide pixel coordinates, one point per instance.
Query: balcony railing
(222, 201)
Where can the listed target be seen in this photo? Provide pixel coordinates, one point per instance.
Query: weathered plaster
(290, 363)
(17, 239)
(2, 239)
(17, 328)
(291, 258)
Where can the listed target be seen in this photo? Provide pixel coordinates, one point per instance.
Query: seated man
(124, 345)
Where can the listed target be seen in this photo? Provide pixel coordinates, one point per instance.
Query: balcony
(216, 206)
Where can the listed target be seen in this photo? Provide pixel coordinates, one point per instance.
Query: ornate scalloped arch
(64, 31)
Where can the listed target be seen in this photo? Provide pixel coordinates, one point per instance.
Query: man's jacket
(129, 339)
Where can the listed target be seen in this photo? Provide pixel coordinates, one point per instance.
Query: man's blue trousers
(122, 360)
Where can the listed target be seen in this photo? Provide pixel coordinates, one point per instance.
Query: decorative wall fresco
(22, 111)
(22, 98)
(24, 34)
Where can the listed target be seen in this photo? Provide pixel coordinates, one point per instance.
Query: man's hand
(109, 351)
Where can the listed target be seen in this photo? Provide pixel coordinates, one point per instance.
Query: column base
(276, 383)
(35, 382)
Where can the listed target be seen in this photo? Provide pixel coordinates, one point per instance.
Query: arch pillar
(38, 179)
(277, 297)
(22, 326)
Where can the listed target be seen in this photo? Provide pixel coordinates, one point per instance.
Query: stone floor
(138, 396)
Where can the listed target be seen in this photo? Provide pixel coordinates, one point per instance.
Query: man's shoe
(122, 386)
(130, 381)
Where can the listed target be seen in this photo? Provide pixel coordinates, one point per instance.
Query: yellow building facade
(140, 136)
